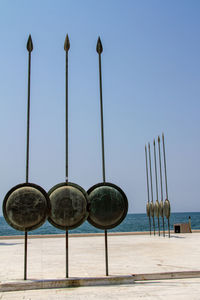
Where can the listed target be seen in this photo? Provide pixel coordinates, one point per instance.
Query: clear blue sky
(151, 84)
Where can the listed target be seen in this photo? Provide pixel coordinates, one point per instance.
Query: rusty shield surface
(156, 209)
(161, 209)
(167, 208)
(69, 205)
(148, 209)
(26, 206)
(108, 205)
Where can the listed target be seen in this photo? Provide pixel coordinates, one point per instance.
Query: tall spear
(66, 48)
(148, 205)
(161, 188)
(151, 204)
(99, 49)
(156, 206)
(29, 47)
(167, 208)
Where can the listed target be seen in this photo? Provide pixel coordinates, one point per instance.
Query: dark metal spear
(99, 49)
(151, 204)
(148, 205)
(156, 206)
(29, 47)
(166, 203)
(66, 48)
(161, 188)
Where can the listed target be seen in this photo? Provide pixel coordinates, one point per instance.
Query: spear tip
(99, 46)
(154, 142)
(149, 145)
(158, 139)
(29, 45)
(67, 43)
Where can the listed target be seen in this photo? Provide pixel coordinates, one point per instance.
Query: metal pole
(99, 49)
(29, 47)
(106, 251)
(147, 187)
(66, 48)
(165, 165)
(161, 188)
(25, 255)
(28, 115)
(167, 200)
(157, 203)
(151, 185)
(67, 250)
(169, 227)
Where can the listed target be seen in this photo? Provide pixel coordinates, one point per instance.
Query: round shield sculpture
(148, 209)
(167, 209)
(156, 209)
(26, 207)
(69, 201)
(69, 205)
(108, 205)
(161, 208)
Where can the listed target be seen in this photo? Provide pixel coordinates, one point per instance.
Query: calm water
(133, 222)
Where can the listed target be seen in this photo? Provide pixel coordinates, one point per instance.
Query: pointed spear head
(67, 43)
(154, 142)
(163, 136)
(99, 47)
(158, 139)
(29, 45)
(149, 145)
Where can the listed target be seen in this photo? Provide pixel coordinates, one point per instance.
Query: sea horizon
(134, 222)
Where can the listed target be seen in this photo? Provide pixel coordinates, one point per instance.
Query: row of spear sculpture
(157, 209)
(66, 205)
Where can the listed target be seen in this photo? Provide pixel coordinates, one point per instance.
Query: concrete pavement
(128, 254)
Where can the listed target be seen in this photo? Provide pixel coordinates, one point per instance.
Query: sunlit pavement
(128, 254)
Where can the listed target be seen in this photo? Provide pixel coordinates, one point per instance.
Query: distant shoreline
(12, 237)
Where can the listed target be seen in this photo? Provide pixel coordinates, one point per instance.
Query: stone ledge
(93, 281)
(64, 283)
(166, 275)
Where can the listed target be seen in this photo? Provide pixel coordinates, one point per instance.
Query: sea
(132, 223)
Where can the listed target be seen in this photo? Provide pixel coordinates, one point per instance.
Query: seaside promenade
(130, 254)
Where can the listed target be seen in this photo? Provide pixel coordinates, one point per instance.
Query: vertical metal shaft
(29, 47)
(164, 156)
(28, 117)
(99, 49)
(155, 164)
(106, 252)
(147, 173)
(156, 177)
(66, 121)
(165, 165)
(151, 183)
(101, 108)
(154, 232)
(168, 228)
(161, 188)
(66, 48)
(147, 186)
(67, 256)
(25, 255)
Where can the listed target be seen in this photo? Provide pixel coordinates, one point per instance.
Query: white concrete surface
(130, 254)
